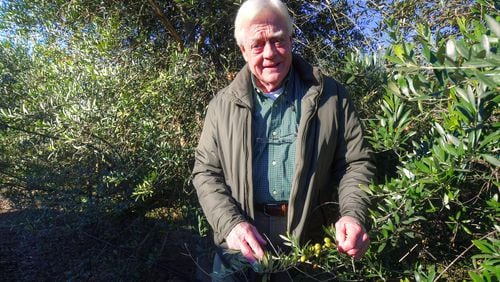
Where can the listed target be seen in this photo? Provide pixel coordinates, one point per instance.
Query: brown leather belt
(273, 209)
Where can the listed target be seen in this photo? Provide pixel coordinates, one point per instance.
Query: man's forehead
(259, 35)
(268, 17)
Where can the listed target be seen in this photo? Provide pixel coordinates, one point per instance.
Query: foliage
(103, 100)
(486, 263)
(446, 192)
(101, 104)
(439, 114)
(105, 123)
(378, 17)
(325, 32)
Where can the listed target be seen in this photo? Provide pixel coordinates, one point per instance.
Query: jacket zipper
(300, 166)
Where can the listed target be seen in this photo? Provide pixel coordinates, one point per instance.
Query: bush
(92, 121)
(101, 112)
(439, 116)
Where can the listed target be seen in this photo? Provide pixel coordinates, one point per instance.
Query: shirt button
(275, 192)
(274, 162)
(274, 133)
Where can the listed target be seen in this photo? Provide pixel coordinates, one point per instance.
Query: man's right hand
(245, 238)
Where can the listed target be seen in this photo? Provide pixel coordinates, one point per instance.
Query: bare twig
(461, 255)
(195, 262)
(409, 252)
(430, 254)
(164, 243)
(166, 23)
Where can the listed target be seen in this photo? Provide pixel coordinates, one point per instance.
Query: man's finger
(360, 246)
(254, 246)
(245, 238)
(352, 234)
(247, 252)
(340, 235)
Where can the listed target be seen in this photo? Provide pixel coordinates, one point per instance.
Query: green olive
(303, 258)
(317, 246)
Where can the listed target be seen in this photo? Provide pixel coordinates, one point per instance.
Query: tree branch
(166, 23)
(462, 254)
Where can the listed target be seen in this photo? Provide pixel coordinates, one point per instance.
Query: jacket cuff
(220, 237)
(361, 217)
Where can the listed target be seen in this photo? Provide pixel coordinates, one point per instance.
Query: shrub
(439, 116)
(92, 121)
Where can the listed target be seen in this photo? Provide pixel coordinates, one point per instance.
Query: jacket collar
(309, 74)
(240, 90)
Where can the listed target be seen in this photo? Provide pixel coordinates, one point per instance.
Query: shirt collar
(273, 94)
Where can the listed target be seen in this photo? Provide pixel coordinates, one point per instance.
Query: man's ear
(242, 49)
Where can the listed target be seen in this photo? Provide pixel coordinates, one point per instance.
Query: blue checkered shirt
(275, 124)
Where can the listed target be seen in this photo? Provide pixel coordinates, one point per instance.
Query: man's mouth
(271, 66)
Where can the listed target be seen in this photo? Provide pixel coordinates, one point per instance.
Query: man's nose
(269, 50)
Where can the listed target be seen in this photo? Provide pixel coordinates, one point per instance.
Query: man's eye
(256, 46)
(279, 41)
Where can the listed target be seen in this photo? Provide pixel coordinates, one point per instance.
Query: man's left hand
(351, 236)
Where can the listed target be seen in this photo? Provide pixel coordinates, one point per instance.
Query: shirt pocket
(278, 137)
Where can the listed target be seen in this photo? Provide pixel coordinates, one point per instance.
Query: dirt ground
(49, 245)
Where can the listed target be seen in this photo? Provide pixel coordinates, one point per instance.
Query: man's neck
(268, 88)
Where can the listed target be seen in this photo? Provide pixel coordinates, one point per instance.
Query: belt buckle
(265, 208)
(280, 207)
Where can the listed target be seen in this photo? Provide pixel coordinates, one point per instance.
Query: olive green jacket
(332, 157)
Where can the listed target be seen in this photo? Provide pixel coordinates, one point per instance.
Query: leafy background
(102, 102)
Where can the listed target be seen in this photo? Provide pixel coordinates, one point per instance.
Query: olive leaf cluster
(436, 216)
(102, 102)
(94, 122)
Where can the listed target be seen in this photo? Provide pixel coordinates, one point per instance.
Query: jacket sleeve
(353, 164)
(214, 195)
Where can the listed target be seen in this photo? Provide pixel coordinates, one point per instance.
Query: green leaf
(395, 60)
(462, 25)
(462, 49)
(463, 94)
(493, 25)
(451, 52)
(479, 63)
(410, 234)
(399, 51)
(440, 129)
(475, 277)
(426, 52)
(491, 159)
(391, 86)
(465, 114)
(491, 138)
(466, 229)
(484, 246)
(422, 167)
(486, 80)
(381, 247)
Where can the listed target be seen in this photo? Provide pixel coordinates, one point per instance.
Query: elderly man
(276, 145)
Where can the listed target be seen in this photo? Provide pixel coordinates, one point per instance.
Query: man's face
(267, 48)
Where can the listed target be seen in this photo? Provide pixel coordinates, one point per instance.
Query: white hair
(250, 9)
